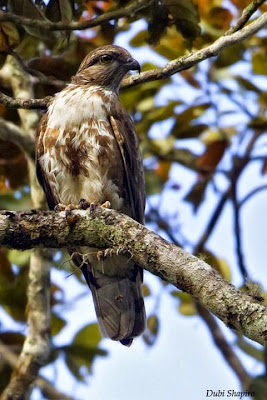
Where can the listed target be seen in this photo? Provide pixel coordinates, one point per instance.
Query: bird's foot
(93, 206)
(82, 205)
(103, 254)
(106, 204)
(69, 207)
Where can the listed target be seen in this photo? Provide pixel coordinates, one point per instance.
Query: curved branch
(47, 25)
(251, 194)
(104, 228)
(12, 133)
(169, 69)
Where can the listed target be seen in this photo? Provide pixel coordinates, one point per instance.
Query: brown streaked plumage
(87, 148)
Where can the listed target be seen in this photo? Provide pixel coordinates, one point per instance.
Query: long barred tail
(118, 298)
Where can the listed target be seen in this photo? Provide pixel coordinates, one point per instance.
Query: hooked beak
(133, 65)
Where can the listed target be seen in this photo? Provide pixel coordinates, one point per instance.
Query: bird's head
(106, 66)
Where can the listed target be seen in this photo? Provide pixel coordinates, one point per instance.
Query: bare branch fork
(104, 228)
(169, 69)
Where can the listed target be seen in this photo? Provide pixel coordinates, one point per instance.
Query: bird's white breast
(77, 162)
(72, 107)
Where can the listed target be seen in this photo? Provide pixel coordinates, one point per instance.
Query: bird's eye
(105, 59)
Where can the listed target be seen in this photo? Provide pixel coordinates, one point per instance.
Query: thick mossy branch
(104, 228)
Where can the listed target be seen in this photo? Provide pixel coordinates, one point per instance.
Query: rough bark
(109, 229)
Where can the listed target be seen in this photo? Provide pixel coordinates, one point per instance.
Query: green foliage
(82, 351)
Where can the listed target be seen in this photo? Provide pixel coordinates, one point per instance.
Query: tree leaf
(212, 155)
(187, 305)
(196, 194)
(154, 183)
(158, 21)
(259, 62)
(59, 10)
(139, 39)
(184, 15)
(152, 330)
(9, 35)
(88, 336)
(57, 324)
(219, 264)
(163, 112)
(230, 55)
(184, 118)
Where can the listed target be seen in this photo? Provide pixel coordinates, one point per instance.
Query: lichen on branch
(104, 228)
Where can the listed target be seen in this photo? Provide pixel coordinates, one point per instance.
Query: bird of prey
(87, 148)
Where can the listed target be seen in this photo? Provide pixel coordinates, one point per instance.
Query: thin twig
(47, 25)
(246, 14)
(237, 229)
(251, 194)
(224, 347)
(240, 164)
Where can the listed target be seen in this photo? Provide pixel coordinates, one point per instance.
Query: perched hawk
(87, 149)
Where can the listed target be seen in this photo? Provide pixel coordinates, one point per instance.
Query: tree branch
(222, 344)
(104, 228)
(12, 133)
(36, 347)
(251, 194)
(47, 25)
(186, 62)
(43, 79)
(238, 230)
(246, 14)
(29, 104)
(169, 69)
(45, 386)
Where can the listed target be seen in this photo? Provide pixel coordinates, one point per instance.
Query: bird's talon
(103, 254)
(106, 204)
(60, 207)
(67, 213)
(93, 207)
(83, 204)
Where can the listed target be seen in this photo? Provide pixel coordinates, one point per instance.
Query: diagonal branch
(47, 389)
(246, 14)
(186, 62)
(224, 347)
(103, 228)
(169, 69)
(47, 25)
